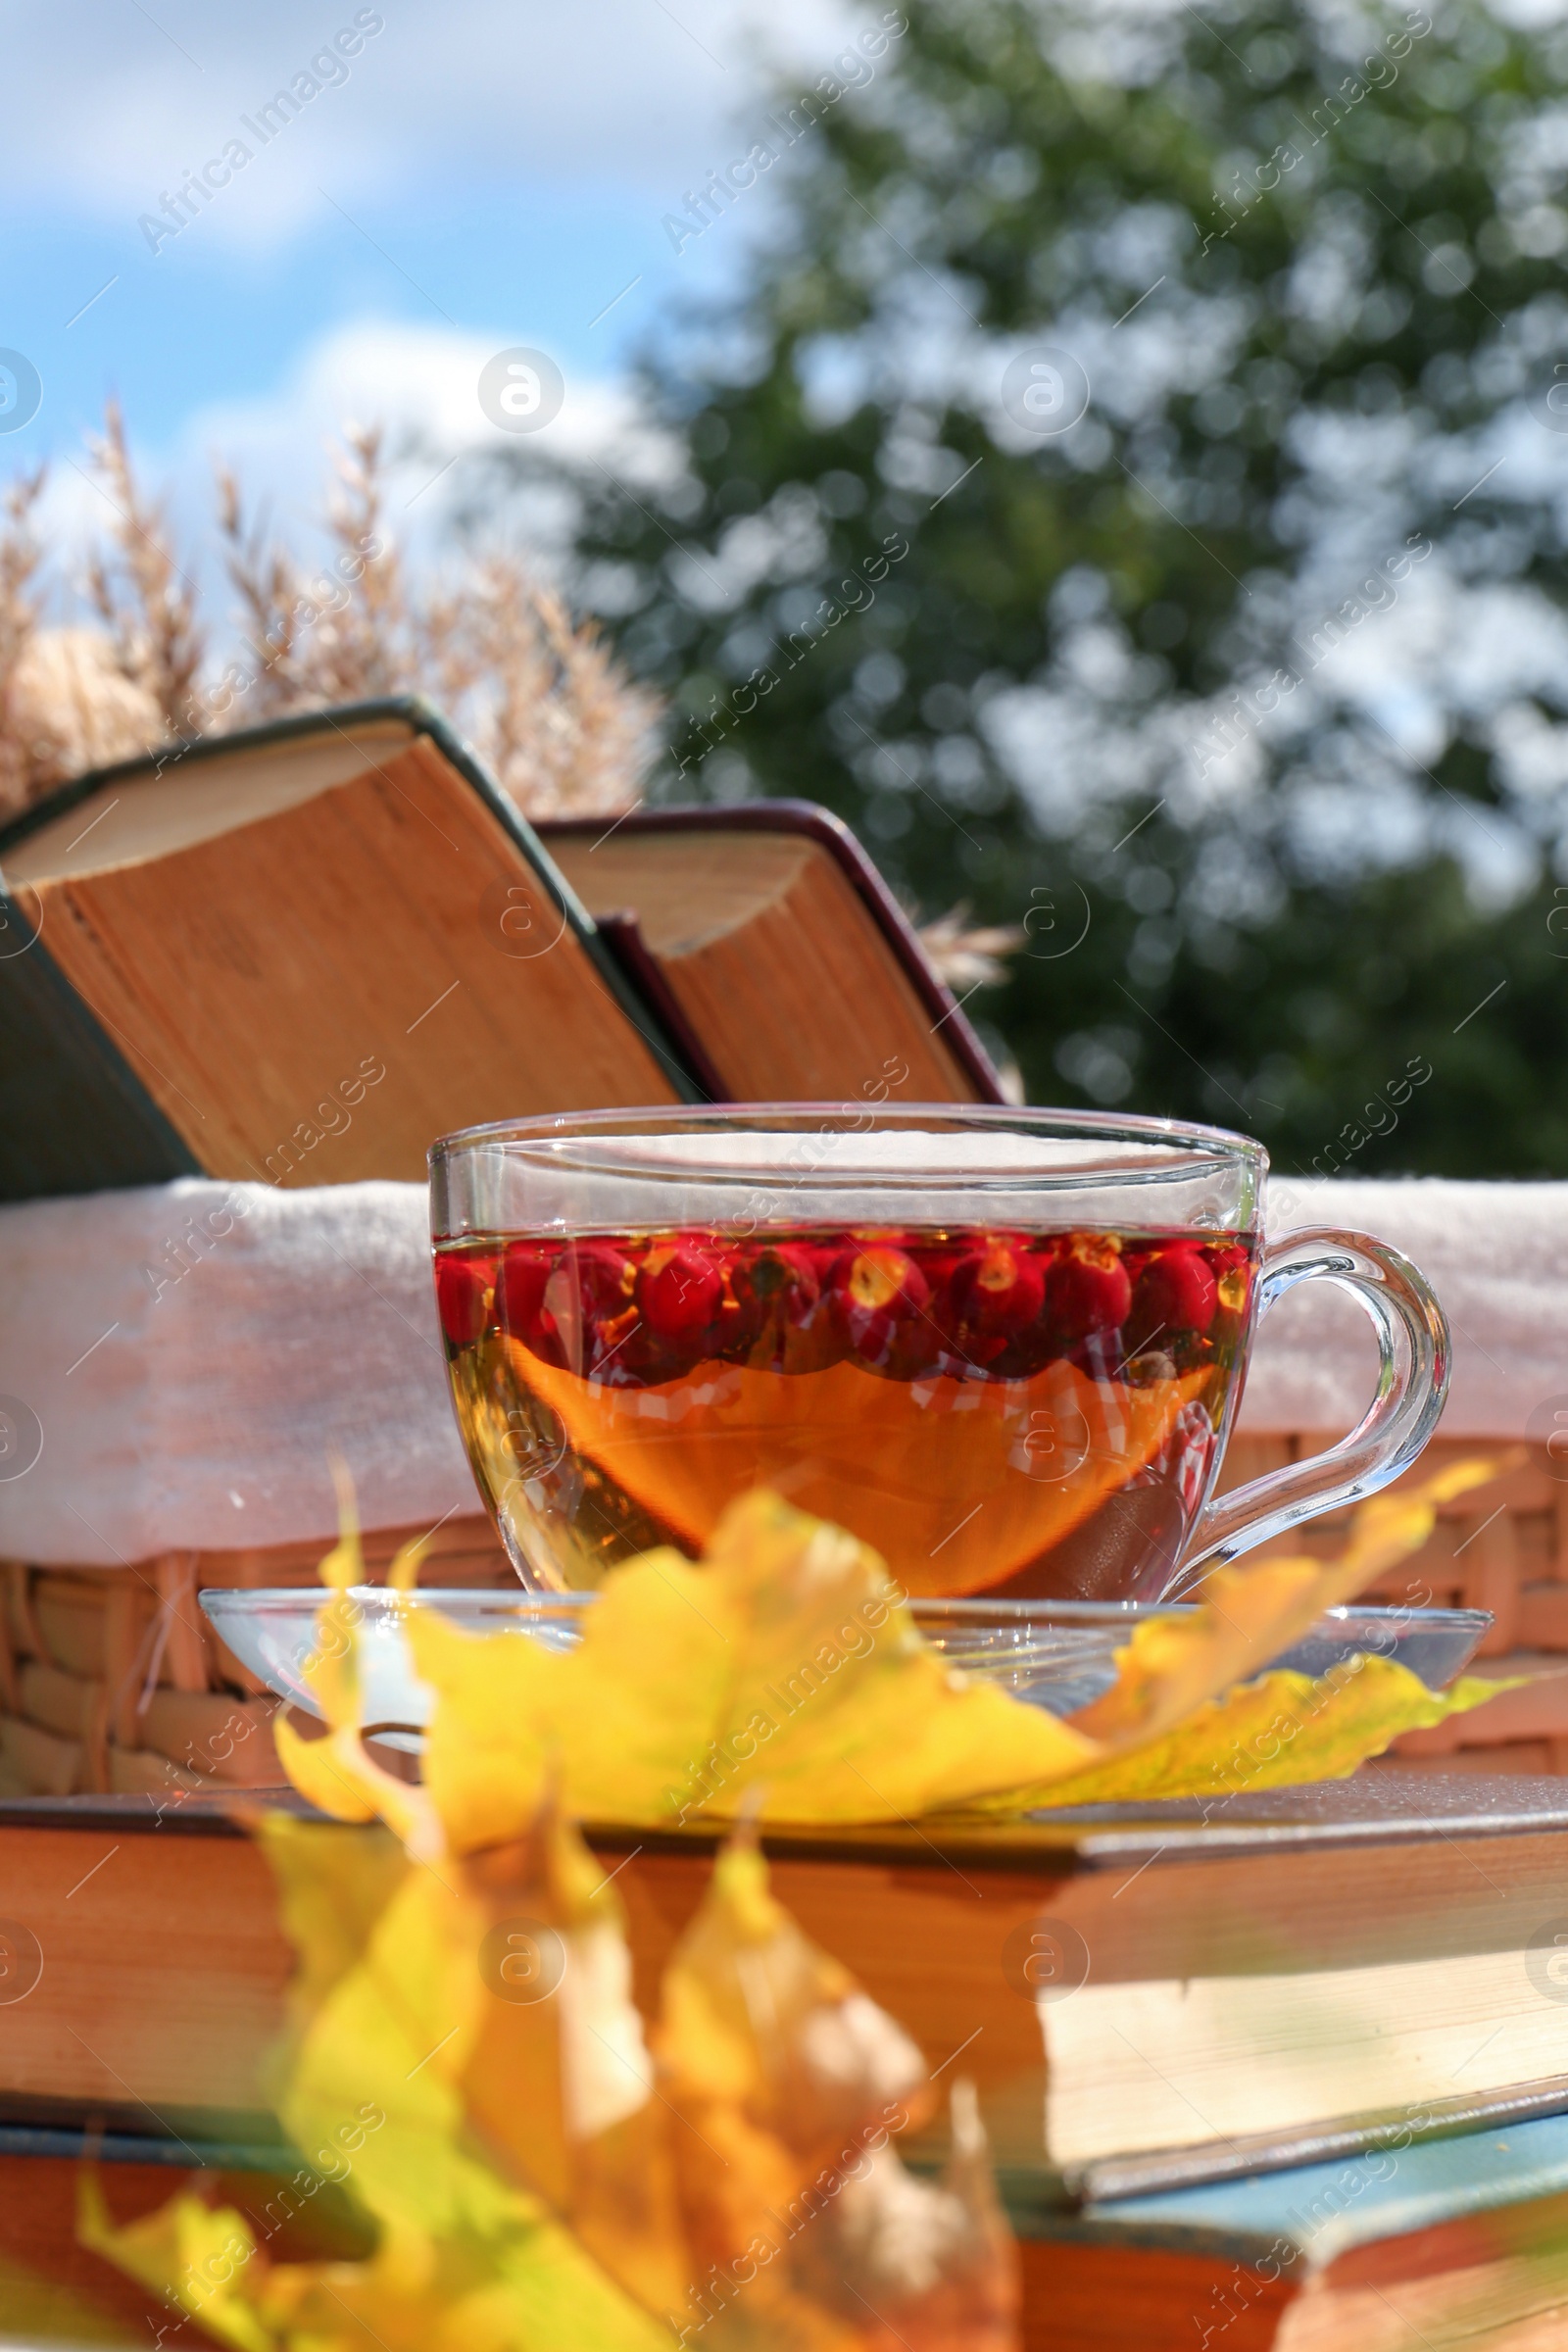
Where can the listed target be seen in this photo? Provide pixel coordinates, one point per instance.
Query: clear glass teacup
(1003, 1347)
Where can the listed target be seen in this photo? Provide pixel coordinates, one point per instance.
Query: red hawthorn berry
(1176, 1291)
(875, 1289)
(780, 1276)
(999, 1290)
(461, 1284)
(587, 1306)
(1087, 1290)
(679, 1292)
(604, 1275)
(521, 1284)
(1232, 1267)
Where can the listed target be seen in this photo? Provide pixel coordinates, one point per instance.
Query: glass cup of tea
(1006, 1348)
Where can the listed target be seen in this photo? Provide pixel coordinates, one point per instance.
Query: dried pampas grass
(22, 755)
(146, 603)
(540, 696)
(72, 707)
(969, 956)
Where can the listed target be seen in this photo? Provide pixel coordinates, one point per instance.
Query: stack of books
(1295, 2072)
(1409, 2245)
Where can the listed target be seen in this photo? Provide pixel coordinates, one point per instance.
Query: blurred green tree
(1130, 484)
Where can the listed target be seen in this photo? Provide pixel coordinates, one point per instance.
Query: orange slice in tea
(959, 1483)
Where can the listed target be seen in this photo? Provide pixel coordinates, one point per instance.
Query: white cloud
(421, 384)
(629, 94)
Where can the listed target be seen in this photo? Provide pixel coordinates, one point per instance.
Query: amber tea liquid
(1023, 1414)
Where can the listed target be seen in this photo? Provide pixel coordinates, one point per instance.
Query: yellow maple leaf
(1248, 1615)
(521, 1951)
(493, 1730)
(934, 2261)
(517, 2292)
(384, 2072)
(334, 1770)
(785, 1660)
(758, 2018)
(1274, 1733)
(792, 2087)
(559, 2081)
(786, 1664)
(333, 1885)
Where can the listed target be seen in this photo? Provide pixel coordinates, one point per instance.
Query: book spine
(74, 1116)
(622, 934)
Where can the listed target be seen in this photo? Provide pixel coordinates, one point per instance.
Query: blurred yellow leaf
(333, 1885)
(203, 2258)
(934, 2261)
(757, 2013)
(792, 2084)
(1387, 1528)
(378, 2095)
(517, 2292)
(559, 2081)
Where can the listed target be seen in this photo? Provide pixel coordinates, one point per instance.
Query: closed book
(278, 955)
(1457, 2241)
(1144, 1998)
(1460, 2240)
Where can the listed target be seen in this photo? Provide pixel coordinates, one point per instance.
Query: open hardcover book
(300, 954)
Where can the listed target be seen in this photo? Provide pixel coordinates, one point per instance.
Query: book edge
(1117, 2180)
(1052, 1848)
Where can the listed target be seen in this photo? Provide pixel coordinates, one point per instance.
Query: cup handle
(1414, 1362)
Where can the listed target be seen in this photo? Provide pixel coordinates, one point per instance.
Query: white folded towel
(194, 1352)
(1496, 1255)
(191, 1354)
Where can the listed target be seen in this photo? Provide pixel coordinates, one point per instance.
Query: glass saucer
(272, 1632)
(1057, 1654)
(1061, 1654)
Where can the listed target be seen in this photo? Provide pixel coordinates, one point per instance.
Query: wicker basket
(1504, 1547)
(113, 1680)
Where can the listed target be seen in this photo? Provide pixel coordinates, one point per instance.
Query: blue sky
(487, 173)
(481, 175)
(201, 322)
